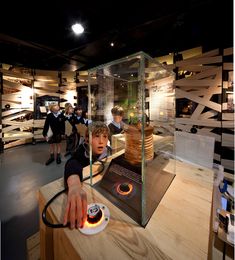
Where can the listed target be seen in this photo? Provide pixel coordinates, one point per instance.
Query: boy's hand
(76, 208)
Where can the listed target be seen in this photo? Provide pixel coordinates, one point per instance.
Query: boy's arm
(72, 167)
(46, 126)
(76, 207)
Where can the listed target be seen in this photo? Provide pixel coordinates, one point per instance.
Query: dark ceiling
(37, 34)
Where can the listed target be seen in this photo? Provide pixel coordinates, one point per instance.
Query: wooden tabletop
(178, 229)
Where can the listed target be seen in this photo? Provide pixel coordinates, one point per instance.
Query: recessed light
(112, 44)
(77, 28)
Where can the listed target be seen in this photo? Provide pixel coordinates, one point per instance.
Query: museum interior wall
(204, 99)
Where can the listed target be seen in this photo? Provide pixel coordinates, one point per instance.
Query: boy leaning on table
(76, 207)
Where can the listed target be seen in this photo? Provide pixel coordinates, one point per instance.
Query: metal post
(34, 104)
(1, 133)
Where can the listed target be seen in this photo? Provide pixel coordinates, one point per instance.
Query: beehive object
(133, 148)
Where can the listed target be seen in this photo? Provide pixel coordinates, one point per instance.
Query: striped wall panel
(201, 102)
(22, 90)
(227, 144)
(17, 108)
(16, 128)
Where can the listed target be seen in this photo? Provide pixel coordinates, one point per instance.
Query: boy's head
(117, 113)
(78, 110)
(67, 105)
(54, 108)
(68, 109)
(100, 133)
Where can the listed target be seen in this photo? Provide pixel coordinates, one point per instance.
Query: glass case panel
(134, 97)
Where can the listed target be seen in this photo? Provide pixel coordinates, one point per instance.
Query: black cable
(44, 218)
(44, 212)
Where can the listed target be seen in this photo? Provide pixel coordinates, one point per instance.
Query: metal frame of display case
(136, 73)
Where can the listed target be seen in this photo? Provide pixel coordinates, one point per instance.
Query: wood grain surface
(178, 229)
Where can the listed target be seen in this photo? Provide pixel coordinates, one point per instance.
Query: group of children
(76, 207)
(55, 123)
(56, 120)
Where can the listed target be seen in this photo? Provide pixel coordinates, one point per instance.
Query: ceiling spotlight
(77, 28)
(112, 44)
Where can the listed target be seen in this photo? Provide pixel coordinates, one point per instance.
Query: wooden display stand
(178, 229)
(133, 149)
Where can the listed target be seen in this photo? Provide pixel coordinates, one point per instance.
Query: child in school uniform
(54, 121)
(78, 112)
(72, 139)
(117, 125)
(77, 201)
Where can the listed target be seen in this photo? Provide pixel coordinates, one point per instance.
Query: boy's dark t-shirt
(76, 163)
(114, 129)
(79, 120)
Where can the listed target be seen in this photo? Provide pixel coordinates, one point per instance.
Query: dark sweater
(80, 120)
(113, 130)
(56, 123)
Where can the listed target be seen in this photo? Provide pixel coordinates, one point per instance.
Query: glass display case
(142, 145)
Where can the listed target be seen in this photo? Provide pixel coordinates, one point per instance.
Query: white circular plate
(91, 229)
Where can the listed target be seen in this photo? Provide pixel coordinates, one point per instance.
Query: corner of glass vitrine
(144, 90)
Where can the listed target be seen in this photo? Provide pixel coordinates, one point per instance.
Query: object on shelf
(231, 232)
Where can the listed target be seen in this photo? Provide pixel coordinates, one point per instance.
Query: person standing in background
(55, 122)
(117, 125)
(69, 116)
(72, 139)
(79, 115)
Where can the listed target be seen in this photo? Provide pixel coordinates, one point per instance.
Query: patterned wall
(17, 108)
(205, 81)
(21, 90)
(227, 151)
(200, 83)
